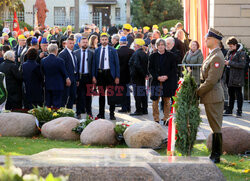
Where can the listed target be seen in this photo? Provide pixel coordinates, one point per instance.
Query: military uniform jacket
(211, 90)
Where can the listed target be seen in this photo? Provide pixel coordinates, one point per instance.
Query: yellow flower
(246, 171)
(55, 114)
(49, 109)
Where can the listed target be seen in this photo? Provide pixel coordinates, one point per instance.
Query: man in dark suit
(72, 72)
(84, 62)
(124, 54)
(56, 77)
(19, 48)
(105, 72)
(138, 65)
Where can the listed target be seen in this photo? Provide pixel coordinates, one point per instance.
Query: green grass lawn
(232, 166)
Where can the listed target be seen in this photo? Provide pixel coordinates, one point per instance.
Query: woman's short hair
(197, 44)
(32, 54)
(139, 35)
(158, 41)
(232, 41)
(6, 48)
(116, 37)
(52, 48)
(9, 55)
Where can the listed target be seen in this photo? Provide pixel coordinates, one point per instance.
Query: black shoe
(238, 114)
(136, 113)
(78, 116)
(123, 111)
(90, 114)
(145, 112)
(112, 117)
(100, 116)
(216, 148)
(227, 113)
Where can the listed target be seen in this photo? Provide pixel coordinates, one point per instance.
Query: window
(72, 16)
(59, 16)
(117, 14)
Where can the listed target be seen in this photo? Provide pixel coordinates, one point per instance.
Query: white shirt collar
(69, 50)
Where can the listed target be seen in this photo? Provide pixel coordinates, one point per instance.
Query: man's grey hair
(116, 36)
(77, 35)
(158, 41)
(14, 33)
(9, 55)
(52, 48)
(171, 40)
(150, 34)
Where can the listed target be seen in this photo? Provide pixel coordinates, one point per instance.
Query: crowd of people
(56, 69)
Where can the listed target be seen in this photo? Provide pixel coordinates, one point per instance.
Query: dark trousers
(53, 98)
(69, 95)
(104, 79)
(232, 91)
(126, 106)
(141, 99)
(83, 101)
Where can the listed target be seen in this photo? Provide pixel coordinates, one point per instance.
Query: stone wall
(232, 18)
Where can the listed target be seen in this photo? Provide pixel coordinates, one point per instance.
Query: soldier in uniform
(211, 92)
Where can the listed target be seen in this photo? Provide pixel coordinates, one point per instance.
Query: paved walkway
(204, 129)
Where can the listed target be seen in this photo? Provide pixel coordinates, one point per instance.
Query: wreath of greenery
(187, 116)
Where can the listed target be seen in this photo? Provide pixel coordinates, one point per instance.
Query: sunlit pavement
(204, 130)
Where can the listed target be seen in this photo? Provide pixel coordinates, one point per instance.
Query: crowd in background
(54, 68)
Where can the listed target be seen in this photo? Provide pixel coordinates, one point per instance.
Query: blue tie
(102, 59)
(74, 59)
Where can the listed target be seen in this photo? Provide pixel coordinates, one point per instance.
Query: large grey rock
(99, 132)
(118, 164)
(144, 134)
(61, 129)
(18, 124)
(235, 140)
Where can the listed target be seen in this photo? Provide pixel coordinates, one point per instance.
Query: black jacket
(179, 45)
(168, 68)
(124, 54)
(178, 60)
(236, 68)
(138, 65)
(13, 83)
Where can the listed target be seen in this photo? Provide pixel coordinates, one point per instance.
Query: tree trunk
(76, 16)
(128, 11)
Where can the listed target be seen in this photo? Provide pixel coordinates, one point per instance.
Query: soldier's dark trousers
(232, 91)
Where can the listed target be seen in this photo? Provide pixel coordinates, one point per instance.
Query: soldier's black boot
(216, 147)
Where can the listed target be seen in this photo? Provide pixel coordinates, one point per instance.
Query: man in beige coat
(211, 92)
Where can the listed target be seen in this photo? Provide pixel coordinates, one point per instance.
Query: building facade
(232, 18)
(62, 12)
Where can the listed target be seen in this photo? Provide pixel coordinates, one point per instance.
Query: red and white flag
(16, 24)
(171, 126)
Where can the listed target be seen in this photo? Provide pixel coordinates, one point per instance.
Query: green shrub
(23, 24)
(65, 28)
(169, 23)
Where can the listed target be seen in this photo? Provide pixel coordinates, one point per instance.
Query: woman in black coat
(13, 79)
(162, 67)
(33, 81)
